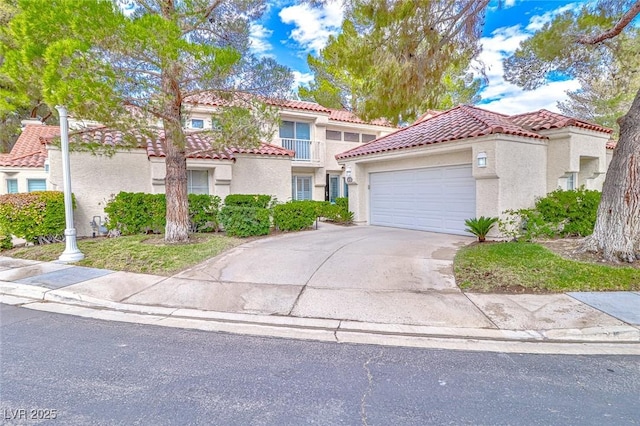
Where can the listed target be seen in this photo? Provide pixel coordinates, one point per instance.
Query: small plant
(480, 226)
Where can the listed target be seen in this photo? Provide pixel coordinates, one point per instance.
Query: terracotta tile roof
(611, 144)
(543, 120)
(210, 99)
(458, 123)
(349, 117)
(29, 149)
(198, 144)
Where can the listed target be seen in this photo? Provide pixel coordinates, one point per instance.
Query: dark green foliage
(480, 226)
(241, 221)
(38, 217)
(248, 200)
(136, 213)
(343, 202)
(337, 213)
(203, 212)
(559, 214)
(140, 213)
(5, 240)
(296, 215)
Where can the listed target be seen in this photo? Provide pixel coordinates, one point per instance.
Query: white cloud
(537, 22)
(301, 78)
(502, 96)
(258, 35)
(508, 3)
(313, 25)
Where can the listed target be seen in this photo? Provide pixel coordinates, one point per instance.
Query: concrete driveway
(362, 273)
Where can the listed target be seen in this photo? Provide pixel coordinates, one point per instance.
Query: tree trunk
(177, 227)
(617, 231)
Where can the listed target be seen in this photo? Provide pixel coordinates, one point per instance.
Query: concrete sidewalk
(336, 284)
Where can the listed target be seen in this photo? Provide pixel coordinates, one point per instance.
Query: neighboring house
(25, 169)
(298, 164)
(469, 162)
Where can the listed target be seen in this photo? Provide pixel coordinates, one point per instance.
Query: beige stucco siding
(95, 178)
(253, 174)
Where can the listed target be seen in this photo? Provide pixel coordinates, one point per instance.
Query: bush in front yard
(38, 217)
(241, 221)
(559, 214)
(141, 213)
(248, 200)
(295, 215)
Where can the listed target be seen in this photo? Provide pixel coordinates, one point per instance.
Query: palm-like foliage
(480, 226)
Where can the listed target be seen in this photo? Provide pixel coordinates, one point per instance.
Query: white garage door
(437, 199)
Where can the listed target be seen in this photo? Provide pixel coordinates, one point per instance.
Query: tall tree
(103, 62)
(590, 41)
(395, 59)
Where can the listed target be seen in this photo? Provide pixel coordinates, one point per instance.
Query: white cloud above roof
(313, 25)
(259, 37)
(502, 96)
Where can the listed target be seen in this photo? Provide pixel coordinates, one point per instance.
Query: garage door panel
(435, 199)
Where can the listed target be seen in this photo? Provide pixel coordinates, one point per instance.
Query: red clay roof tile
(544, 119)
(461, 122)
(29, 150)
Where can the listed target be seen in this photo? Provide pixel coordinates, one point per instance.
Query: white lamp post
(71, 252)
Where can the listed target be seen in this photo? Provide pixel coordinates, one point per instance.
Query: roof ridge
(493, 127)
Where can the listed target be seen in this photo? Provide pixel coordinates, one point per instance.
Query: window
(334, 135)
(197, 181)
(295, 130)
(345, 188)
(351, 137)
(334, 188)
(368, 138)
(36, 185)
(197, 123)
(301, 187)
(12, 186)
(571, 181)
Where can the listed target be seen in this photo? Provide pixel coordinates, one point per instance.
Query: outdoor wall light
(348, 171)
(482, 159)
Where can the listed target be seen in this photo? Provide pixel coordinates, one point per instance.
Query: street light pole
(71, 252)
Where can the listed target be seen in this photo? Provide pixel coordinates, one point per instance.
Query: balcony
(306, 152)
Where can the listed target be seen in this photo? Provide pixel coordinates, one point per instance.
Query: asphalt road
(85, 371)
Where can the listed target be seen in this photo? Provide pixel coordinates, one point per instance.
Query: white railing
(302, 148)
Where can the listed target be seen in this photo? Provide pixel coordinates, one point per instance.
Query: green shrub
(248, 200)
(137, 213)
(141, 213)
(337, 213)
(242, 221)
(38, 217)
(343, 202)
(296, 215)
(480, 226)
(5, 240)
(559, 214)
(203, 212)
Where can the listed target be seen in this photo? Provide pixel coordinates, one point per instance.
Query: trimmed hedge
(242, 221)
(296, 215)
(38, 217)
(141, 213)
(248, 200)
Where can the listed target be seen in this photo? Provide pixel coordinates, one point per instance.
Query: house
(299, 163)
(469, 162)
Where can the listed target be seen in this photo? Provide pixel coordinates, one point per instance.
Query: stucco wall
(95, 178)
(254, 174)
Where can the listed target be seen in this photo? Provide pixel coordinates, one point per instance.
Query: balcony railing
(304, 150)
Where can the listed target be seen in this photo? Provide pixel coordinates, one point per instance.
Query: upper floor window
(334, 135)
(12, 186)
(197, 123)
(351, 137)
(295, 130)
(367, 138)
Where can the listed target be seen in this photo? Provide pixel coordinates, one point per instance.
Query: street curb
(620, 340)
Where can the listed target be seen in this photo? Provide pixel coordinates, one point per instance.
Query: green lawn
(138, 253)
(528, 267)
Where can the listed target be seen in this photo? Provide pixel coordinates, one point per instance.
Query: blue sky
(290, 31)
